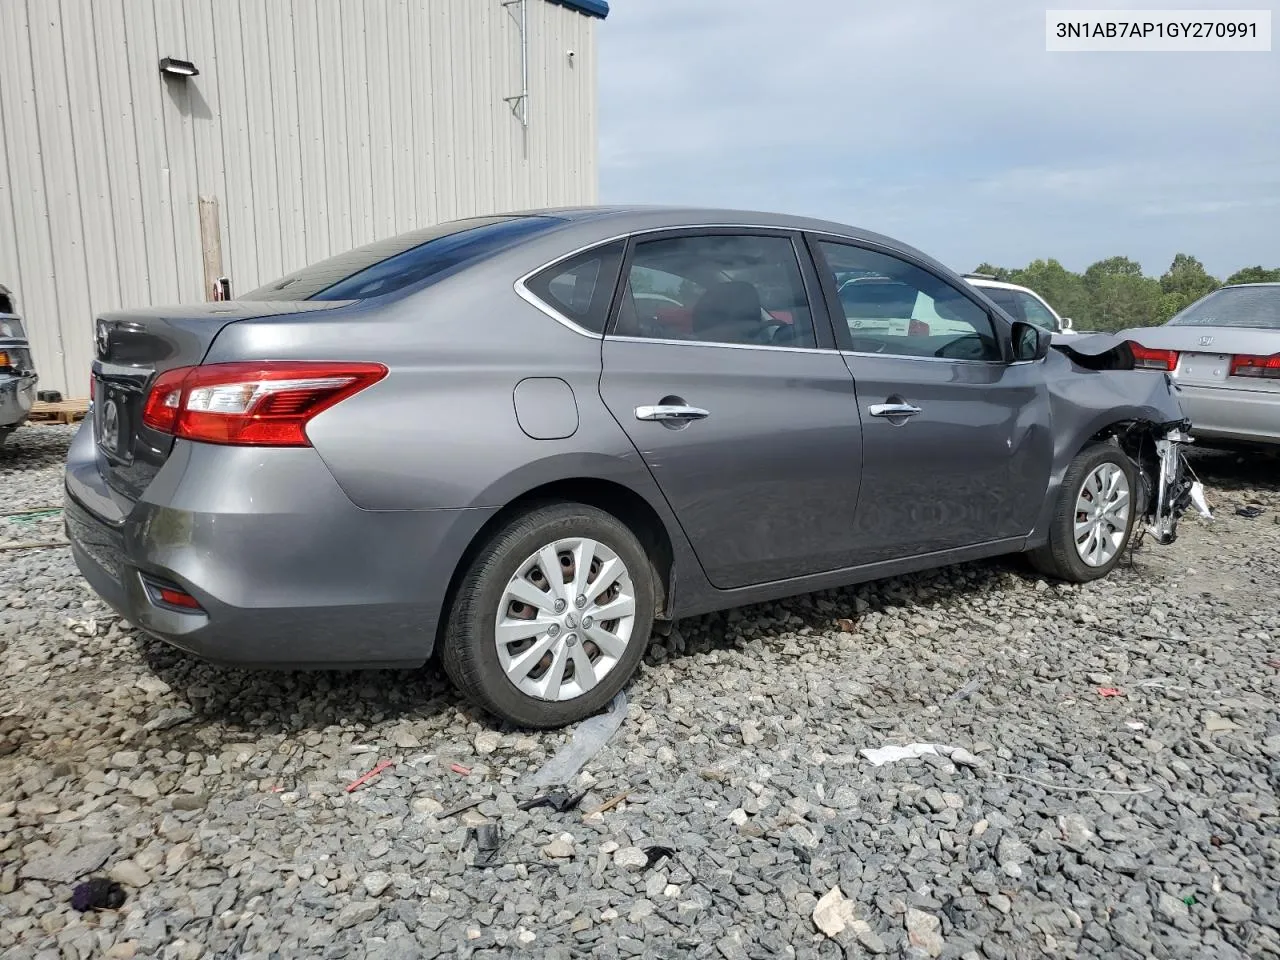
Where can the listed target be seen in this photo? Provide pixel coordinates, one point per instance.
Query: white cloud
(945, 124)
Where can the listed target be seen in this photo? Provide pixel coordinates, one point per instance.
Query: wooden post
(211, 246)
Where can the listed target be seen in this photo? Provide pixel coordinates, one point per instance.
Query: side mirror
(1030, 342)
(1066, 323)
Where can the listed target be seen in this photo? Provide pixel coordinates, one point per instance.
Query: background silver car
(18, 378)
(521, 440)
(1224, 353)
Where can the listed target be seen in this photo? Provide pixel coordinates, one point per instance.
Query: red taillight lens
(178, 599)
(1251, 366)
(252, 404)
(1144, 358)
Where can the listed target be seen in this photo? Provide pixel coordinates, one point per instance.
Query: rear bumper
(287, 571)
(17, 394)
(1220, 413)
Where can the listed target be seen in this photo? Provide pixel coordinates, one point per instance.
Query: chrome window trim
(524, 293)
(907, 356)
(717, 343)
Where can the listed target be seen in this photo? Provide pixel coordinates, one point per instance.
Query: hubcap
(1102, 514)
(565, 619)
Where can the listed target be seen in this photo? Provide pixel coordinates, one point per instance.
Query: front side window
(893, 307)
(581, 287)
(397, 262)
(730, 289)
(1035, 311)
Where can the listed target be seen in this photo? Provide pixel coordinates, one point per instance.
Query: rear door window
(395, 263)
(736, 289)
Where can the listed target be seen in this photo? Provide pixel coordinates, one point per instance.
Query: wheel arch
(1131, 428)
(609, 495)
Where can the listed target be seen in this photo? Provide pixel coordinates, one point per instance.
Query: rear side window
(581, 288)
(1036, 312)
(397, 262)
(1004, 299)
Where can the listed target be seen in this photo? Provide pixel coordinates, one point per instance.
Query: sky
(947, 125)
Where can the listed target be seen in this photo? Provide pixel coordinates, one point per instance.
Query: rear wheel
(1094, 517)
(552, 617)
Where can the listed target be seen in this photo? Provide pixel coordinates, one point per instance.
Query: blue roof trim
(592, 8)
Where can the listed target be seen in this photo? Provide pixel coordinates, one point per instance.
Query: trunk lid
(1205, 352)
(132, 348)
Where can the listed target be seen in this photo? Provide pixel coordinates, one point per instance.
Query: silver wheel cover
(1103, 510)
(565, 619)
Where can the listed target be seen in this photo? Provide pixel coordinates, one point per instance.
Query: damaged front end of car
(1154, 433)
(1169, 486)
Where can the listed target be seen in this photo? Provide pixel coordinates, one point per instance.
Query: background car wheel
(552, 617)
(1096, 510)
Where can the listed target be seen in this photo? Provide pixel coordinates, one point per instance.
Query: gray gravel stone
(740, 751)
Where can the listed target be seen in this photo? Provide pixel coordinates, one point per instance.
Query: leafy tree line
(1113, 293)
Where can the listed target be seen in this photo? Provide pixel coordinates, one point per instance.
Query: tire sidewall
(493, 570)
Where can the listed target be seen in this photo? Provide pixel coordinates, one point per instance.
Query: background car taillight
(252, 404)
(1246, 365)
(1144, 358)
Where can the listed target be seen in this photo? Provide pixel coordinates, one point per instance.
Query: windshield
(389, 265)
(1255, 306)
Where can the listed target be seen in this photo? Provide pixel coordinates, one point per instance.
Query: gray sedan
(1223, 351)
(525, 442)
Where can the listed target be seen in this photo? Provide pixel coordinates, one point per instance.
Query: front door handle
(678, 413)
(893, 410)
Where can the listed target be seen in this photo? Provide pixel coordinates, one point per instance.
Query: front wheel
(552, 617)
(1094, 519)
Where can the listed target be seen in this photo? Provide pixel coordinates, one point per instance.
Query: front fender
(1086, 404)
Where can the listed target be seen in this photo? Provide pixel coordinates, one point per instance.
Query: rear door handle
(893, 410)
(670, 412)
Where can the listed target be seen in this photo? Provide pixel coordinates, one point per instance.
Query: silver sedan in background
(1223, 352)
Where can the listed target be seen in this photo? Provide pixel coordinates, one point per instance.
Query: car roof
(604, 221)
(992, 282)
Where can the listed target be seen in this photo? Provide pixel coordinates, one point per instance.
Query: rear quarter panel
(441, 431)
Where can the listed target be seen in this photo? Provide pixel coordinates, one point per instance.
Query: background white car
(1021, 303)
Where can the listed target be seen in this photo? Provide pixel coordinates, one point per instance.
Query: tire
(472, 655)
(1061, 558)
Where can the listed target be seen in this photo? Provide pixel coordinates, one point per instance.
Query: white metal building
(312, 126)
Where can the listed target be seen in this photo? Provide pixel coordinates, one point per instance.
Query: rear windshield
(1256, 307)
(389, 265)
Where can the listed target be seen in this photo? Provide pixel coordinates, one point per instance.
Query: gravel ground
(1070, 822)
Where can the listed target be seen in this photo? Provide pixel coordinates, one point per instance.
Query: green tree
(1188, 279)
(1000, 273)
(1170, 303)
(1111, 267)
(1120, 296)
(1258, 274)
(1065, 290)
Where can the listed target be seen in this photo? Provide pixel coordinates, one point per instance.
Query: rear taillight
(4, 358)
(252, 404)
(1245, 365)
(1144, 358)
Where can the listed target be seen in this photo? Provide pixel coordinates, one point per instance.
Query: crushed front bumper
(1172, 486)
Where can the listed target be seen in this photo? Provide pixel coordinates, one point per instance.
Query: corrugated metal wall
(317, 125)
